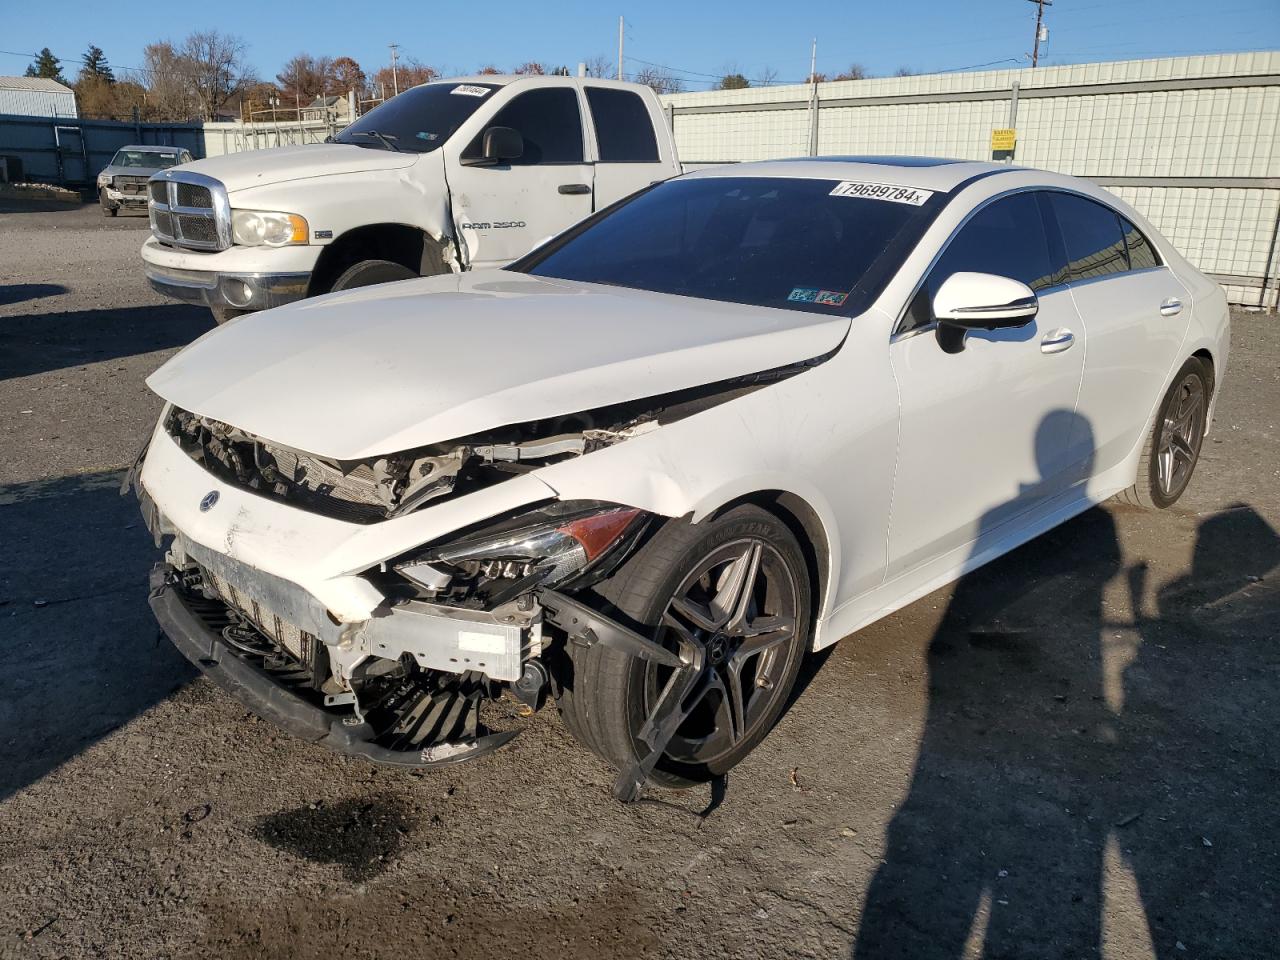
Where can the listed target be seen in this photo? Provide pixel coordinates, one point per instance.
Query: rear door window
(1091, 234)
(548, 120)
(1142, 255)
(624, 129)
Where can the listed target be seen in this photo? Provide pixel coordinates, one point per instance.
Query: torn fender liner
(273, 702)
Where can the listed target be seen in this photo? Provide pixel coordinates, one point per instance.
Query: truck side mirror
(500, 145)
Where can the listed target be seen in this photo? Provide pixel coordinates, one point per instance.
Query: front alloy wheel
(731, 597)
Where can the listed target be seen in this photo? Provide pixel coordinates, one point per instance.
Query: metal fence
(70, 152)
(1192, 142)
(220, 138)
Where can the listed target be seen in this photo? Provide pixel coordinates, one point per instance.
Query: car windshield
(418, 120)
(795, 243)
(146, 159)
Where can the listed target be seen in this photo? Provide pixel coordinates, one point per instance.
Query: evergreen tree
(95, 65)
(47, 66)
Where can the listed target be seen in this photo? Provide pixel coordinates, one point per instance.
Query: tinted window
(778, 242)
(1006, 238)
(624, 130)
(1141, 254)
(418, 120)
(1091, 233)
(548, 120)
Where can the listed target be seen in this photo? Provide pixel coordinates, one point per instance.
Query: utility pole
(395, 79)
(1035, 50)
(621, 26)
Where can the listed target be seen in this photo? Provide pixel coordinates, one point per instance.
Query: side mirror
(500, 145)
(980, 301)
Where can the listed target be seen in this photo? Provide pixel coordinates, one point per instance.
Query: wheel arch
(402, 243)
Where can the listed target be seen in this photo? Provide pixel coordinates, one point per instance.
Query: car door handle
(1055, 341)
(1171, 307)
(571, 188)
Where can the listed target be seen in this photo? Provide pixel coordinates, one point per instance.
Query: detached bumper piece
(411, 723)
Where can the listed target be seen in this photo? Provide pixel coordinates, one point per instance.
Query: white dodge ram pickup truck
(448, 176)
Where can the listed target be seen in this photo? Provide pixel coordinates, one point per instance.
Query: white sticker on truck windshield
(469, 90)
(882, 191)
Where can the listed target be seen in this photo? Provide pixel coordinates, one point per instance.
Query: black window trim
(1053, 234)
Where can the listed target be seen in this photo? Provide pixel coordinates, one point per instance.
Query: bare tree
(164, 74)
(904, 72)
(531, 68)
(767, 77)
(659, 79)
(600, 67)
(216, 68)
(856, 71)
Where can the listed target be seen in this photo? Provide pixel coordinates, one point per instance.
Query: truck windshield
(145, 159)
(418, 120)
(798, 244)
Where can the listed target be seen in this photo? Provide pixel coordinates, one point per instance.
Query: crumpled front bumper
(272, 701)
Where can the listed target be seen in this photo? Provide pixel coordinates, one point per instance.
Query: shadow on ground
(36, 342)
(21, 292)
(1070, 734)
(81, 653)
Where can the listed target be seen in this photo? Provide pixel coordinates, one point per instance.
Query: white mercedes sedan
(642, 471)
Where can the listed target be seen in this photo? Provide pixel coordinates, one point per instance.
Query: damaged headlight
(255, 228)
(546, 547)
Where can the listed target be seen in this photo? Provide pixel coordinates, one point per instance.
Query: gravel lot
(1071, 753)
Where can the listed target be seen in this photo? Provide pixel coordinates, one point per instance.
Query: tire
(107, 209)
(222, 314)
(368, 272)
(611, 694)
(1172, 448)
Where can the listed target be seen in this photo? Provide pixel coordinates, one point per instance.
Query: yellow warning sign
(1003, 139)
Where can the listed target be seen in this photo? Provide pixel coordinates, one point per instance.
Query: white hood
(389, 368)
(257, 168)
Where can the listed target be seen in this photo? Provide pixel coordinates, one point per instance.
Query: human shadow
(80, 653)
(1198, 724)
(37, 342)
(1001, 835)
(1047, 761)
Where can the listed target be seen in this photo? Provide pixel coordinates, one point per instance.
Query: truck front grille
(131, 186)
(189, 210)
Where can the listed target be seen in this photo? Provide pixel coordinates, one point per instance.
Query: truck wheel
(107, 209)
(738, 588)
(368, 272)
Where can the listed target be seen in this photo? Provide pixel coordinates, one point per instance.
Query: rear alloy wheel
(732, 598)
(1173, 448)
(368, 272)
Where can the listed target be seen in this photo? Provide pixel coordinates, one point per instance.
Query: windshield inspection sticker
(469, 90)
(803, 295)
(882, 191)
(831, 298)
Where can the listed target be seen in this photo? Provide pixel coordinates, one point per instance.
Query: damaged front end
(463, 620)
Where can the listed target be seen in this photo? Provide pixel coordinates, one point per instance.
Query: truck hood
(257, 168)
(384, 369)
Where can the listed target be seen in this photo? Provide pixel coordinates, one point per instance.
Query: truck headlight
(104, 180)
(545, 547)
(256, 228)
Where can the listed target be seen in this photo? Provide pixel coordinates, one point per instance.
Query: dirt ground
(1071, 753)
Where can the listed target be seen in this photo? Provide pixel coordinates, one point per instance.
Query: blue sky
(696, 38)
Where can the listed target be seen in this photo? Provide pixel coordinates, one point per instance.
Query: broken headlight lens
(256, 228)
(542, 548)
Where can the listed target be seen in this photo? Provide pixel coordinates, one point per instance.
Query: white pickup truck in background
(447, 176)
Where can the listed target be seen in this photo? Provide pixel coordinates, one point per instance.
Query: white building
(36, 97)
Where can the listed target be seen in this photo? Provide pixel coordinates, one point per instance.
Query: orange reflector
(597, 533)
